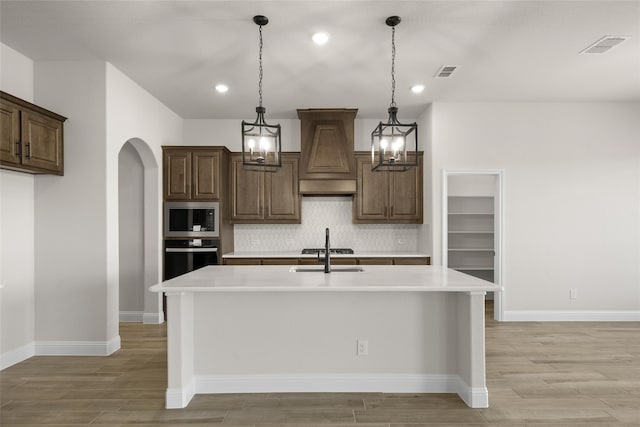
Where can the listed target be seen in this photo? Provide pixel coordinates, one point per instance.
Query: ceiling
(178, 50)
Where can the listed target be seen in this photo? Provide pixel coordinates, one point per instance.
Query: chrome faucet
(327, 253)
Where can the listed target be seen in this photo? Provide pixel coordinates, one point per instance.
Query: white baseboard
(326, 383)
(176, 398)
(17, 355)
(142, 317)
(571, 316)
(131, 316)
(474, 397)
(77, 348)
(388, 383)
(153, 318)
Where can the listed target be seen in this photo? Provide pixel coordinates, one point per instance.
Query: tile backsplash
(317, 214)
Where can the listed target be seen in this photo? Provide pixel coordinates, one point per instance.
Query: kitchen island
(252, 329)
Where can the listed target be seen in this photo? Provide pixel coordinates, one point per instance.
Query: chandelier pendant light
(394, 145)
(261, 143)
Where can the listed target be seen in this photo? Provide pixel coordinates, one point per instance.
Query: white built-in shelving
(471, 235)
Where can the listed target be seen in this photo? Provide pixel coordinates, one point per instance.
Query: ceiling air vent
(604, 44)
(445, 71)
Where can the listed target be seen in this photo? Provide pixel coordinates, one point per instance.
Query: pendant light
(394, 145)
(261, 144)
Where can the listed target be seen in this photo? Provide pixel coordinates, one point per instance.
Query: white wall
(16, 231)
(16, 73)
(571, 198)
(70, 219)
(131, 232)
(135, 115)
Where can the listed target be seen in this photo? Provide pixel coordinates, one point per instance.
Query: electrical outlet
(363, 348)
(573, 293)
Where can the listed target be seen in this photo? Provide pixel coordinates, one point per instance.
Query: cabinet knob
(28, 145)
(18, 149)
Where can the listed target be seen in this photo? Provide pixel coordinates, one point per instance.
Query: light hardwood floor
(560, 374)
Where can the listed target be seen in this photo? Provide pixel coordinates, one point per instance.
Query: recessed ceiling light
(222, 88)
(417, 88)
(320, 38)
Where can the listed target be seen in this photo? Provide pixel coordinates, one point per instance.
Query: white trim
(17, 355)
(77, 348)
(498, 278)
(571, 316)
(131, 316)
(176, 398)
(474, 397)
(153, 318)
(323, 383)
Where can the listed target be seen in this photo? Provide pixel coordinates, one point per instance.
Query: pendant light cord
(260, 72)
(393, 66)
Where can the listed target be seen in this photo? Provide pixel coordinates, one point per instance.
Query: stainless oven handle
(173, 250)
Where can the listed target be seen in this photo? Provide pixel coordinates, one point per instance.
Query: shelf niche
(471, 225)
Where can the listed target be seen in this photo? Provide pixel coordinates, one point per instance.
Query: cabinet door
(406, 195)
(412, 261)
(247, 193)
(375, 261)
(206, 175)
(177, 175)
(41, 142)
(9, 133)
(372, 195)
(281, 192)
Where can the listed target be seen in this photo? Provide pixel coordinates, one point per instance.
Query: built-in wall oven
(192, 219)
(184, 255)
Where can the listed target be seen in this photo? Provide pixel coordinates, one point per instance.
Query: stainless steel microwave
(192, 219)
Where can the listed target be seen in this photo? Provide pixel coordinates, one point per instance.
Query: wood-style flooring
(550, 373)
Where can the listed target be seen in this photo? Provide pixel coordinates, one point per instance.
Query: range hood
(327, 161)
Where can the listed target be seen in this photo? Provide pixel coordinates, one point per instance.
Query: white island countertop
(373, 278)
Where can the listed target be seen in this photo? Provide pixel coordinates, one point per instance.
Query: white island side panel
(298, 333)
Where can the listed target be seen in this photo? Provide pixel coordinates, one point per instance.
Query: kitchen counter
(275, 278)
(261, 329)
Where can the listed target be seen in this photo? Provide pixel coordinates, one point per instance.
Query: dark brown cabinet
(192, 173)
(410, 260)
(265, 197)
(385, 196)
(31, 138)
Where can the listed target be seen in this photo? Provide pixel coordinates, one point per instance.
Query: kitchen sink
(321, 269)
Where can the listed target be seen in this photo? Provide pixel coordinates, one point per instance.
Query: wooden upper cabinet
(265, 197)
(31, 138)
(206, 176)
(192, 173)
(177, 174)
(281, 191)
(371, 200)
(406, 195)
(10, 142)
(247, 192)
(385, 196)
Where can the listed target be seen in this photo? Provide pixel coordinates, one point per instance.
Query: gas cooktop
(337, 251)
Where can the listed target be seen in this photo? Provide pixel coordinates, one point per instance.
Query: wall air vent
(605, 44)
(445, 71)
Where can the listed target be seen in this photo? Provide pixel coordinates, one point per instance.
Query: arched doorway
(138, 218)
